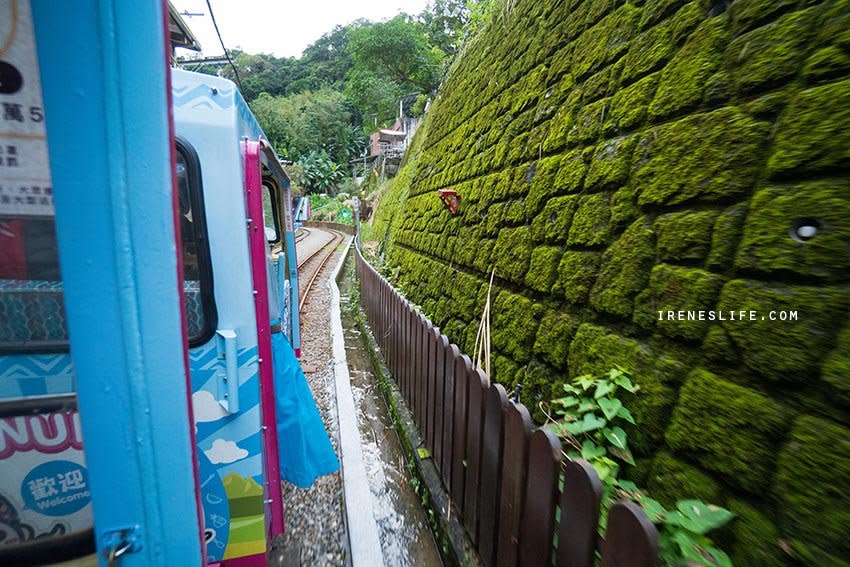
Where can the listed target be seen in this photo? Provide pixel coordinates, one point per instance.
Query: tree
(398, 49)
(445, 22)
(320, 173)
(311, 121)
(374, 95)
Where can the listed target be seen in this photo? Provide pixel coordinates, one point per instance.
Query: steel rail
(330, 247)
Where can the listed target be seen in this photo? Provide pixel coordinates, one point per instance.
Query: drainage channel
(406, 540)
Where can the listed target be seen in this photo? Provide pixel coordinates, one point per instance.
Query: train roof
(213, 103)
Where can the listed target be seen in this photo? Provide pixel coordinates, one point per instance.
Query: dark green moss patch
(772, 53)
(544, 185)
(826, 63)
(711, 156)
(625, 270)
(684, 79)
(512, 253)
(504, 371)
(747, 14)
(556, 332)
(571, 172)
(673, 480)
(756, 538)
(724, 239)
(836, 368)
(588, 123)
(783, 350)
(729, 429)
(651, 49)
(553, 223)
(609, 167)
(544, 268)
(772, 240)
(576, 274)
(813, 133)
(689, 293)
(684, 236)
(717, 346)
(628, 106)
(813, 487)
(591, 222)
(604, 41)
(623, 207)
(514, 325)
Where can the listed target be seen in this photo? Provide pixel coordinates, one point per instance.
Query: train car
(231, 191)
(239, 293)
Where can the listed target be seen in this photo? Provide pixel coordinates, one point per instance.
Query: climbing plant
(590, 420)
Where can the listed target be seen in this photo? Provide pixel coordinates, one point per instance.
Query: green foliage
(321, 174)
(400, 50)
(307, 122)
(482, 13)
(332, 208)
(590, 416)
(683, 532)
(589, 421)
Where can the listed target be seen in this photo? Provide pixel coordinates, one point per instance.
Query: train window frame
(271, 186)
(195, 185)
(62, 346)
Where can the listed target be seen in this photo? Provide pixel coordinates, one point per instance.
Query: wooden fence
(502, 474)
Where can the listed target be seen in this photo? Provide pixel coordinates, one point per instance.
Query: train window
(201, 317)
(270, 216)
(32, 309)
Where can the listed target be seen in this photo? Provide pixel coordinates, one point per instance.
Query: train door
(223, 359)
(283, 261)
(45, 501)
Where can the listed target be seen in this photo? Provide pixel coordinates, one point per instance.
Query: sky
(281, 27)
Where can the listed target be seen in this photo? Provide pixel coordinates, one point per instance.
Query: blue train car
(141, 305)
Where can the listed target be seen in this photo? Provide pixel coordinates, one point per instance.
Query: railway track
(311, 266)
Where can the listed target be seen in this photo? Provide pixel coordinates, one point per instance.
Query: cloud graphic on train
(206, 408)
(223, 452)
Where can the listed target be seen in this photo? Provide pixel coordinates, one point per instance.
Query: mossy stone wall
(617, 158)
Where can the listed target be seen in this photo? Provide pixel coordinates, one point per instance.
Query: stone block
(728, 429)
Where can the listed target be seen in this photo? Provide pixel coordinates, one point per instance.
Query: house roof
(181, 35)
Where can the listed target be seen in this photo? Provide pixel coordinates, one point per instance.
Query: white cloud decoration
(206, 408)
(223, 452)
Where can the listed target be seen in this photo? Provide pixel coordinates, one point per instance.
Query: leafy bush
(590, 420)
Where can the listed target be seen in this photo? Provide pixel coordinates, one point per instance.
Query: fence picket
(441, 343)
(410, 341)
(502, 477)
(463, 371)
(416, 401)
(541, 494)
(580, 500)
(512, 493)
(491, 472)
(474, 428)
(630, 538)
(425, 363)
(450, 354)
(431, 387)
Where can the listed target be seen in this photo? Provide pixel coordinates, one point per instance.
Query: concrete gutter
(362, 527)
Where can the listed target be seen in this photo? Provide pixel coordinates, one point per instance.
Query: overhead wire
(226, 54)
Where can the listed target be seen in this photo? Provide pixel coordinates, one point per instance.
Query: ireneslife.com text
(727, 316)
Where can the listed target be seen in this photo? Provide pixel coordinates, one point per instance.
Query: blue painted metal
(104, 76)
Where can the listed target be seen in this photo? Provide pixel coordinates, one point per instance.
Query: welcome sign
(44, 489)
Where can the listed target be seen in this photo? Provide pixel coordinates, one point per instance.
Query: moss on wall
(617, 158)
